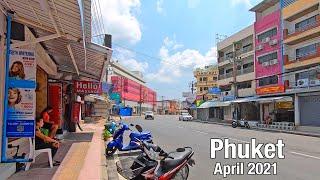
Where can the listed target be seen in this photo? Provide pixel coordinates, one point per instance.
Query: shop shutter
(309, 110)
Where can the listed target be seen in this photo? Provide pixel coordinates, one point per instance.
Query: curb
(264, 129)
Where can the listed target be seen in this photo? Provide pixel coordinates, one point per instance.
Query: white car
(185, 117)
(149, 115)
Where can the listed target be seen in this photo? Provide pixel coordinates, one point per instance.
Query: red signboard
(270, 89)
(87, 87)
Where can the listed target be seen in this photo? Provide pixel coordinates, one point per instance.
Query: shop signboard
(270, 90)
(87, 87)
(21, 107)
(214, 90)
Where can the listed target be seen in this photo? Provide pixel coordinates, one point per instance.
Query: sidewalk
(81, 155)
(296, 132)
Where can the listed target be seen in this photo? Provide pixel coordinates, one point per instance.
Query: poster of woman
(21, 104)
(22, 65)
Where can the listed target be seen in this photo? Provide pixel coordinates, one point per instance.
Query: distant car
(185, 117)
(149, 115)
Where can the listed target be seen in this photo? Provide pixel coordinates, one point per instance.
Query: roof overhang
(264, 5)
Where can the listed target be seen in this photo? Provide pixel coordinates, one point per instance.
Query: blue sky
(167, 39)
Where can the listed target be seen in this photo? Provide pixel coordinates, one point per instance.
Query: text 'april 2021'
(247, 153)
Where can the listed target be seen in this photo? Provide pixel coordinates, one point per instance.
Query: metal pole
(5, 113)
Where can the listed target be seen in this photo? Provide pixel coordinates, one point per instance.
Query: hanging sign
(87, 87)
(21, 94)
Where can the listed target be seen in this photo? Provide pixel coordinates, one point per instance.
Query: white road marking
(200, 132)
(305, 155)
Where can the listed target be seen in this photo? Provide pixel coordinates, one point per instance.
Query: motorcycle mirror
(131, 124)
(139, 128)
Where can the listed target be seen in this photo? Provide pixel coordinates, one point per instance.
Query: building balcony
(246, 92)
(225, 76)
(302, 34)
(245, 71)
(306, 59)
(302, 84)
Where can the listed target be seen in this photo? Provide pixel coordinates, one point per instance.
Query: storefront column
(261, 112)
(2, 68)
(296, 110)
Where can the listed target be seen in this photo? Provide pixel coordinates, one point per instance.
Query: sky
(167, 39)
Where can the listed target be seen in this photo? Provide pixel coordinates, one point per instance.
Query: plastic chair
(34, 153)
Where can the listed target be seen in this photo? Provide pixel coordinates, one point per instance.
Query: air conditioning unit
(266, 63)
(273, 61)
(267, 39)
(260, 47)
(303, 82)
(314, 82)
(273, 42)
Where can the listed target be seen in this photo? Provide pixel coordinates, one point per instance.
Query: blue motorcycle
(135, 138)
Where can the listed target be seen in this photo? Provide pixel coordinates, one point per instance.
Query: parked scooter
(240, 123)
(117, 142)
(154, 163)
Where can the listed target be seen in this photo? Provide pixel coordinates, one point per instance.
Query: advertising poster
(22, 68)
(76, 112)
(87, 87)
(21, 112)
(20, 121)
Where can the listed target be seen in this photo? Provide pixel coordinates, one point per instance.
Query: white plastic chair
(34, 153)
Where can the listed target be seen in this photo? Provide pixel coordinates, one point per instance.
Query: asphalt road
(302, 154)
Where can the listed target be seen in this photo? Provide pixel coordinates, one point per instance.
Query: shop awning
(210, 104)
(274, 99)
(243, 100)
(63, 28)
(91, 98)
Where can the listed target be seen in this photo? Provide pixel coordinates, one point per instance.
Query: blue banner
(20, 128)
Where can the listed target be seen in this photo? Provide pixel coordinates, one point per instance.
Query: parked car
(184, 116)
(149, 115)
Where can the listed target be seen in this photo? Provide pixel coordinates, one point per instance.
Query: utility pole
(162, 102)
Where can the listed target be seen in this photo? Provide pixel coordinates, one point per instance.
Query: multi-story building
(132, 89)
(236, 72)
(206, 78)
(171, 107)
(301, 54)
(268, 61)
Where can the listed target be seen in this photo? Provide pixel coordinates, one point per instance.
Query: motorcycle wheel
(234, 125)
(182, 174)
(110, 152)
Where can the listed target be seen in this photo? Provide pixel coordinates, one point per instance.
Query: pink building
(268, 61)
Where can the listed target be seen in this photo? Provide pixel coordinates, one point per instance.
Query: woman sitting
(42, 141)
(51, 126)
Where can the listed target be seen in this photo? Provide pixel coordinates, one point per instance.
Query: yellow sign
(284, 105)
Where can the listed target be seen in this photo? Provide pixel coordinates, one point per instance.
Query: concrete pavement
(302, 154)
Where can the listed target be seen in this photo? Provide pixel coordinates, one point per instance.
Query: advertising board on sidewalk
(21, 94)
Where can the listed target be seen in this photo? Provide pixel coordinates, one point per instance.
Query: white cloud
(174, 65)
(119, 18)
(193, 3)
(247, 3)
(127, 59)
(160, 6)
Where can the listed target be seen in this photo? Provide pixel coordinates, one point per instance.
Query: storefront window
(268, 80)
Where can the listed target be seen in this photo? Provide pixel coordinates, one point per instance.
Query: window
(244, 85)
(245, 66)
(268, 80)
(229, 71)
(229, 55)
(269, 33)
(204, 78)
(268, 57)
(306, 51)
(305, 23)
(221, 71)
(247, 48)
(214, 78)
(200, 79)
(205, 88)
(200, 89)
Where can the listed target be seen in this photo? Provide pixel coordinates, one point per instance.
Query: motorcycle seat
(169, 164)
